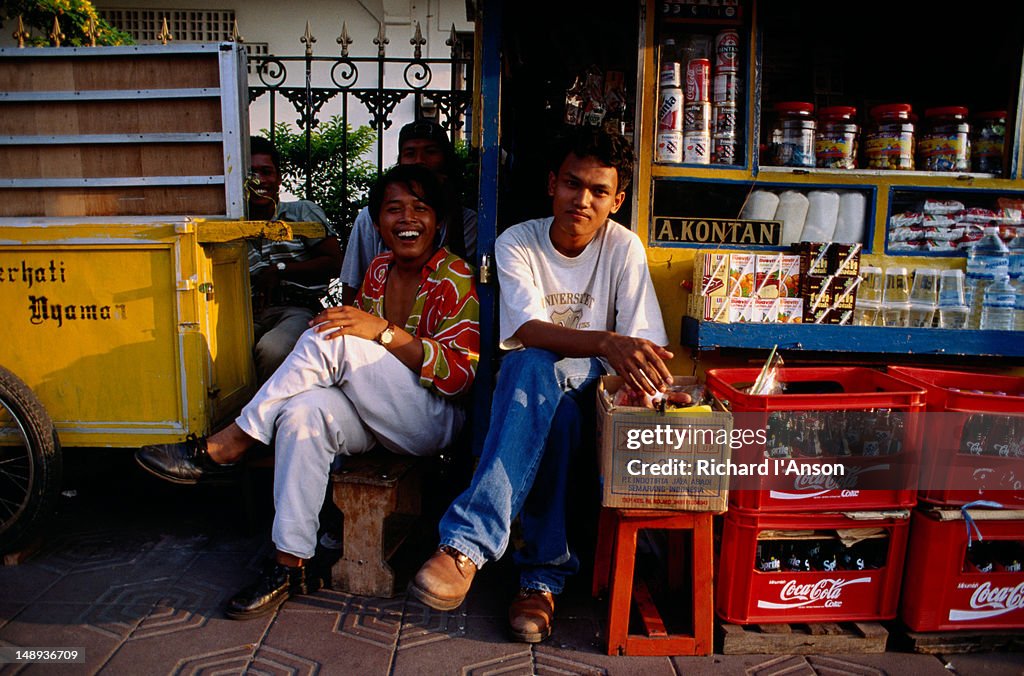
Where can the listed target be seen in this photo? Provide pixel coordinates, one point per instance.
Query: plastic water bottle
(999, 305)
(987, 260)
(1016, 247)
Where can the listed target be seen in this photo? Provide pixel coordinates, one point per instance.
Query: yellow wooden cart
(123, 256)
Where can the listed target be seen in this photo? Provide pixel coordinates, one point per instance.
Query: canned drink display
(725, 150)
(727, 51)
(726, 119)
(696, 148)
(671, 74)
(697, 117)
(670, 109)
(669, 147)
(698, 72)
(726, 87)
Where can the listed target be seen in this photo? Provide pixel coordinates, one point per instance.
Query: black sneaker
(185, 462)
(276, 584)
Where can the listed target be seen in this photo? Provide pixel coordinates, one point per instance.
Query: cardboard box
(742, 274)
(766, 310)
(778, 275)
(709, 308)
(828, 258)
(711, 274)
(791, 311)
(651, 460)
(743, 310)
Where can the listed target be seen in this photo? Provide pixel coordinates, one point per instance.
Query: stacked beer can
(670, 107)
(726, 94)
(697, 113)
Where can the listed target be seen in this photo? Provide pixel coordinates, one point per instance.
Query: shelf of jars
(706, 335)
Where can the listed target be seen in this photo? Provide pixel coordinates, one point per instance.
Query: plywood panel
(113, 160)
(111, 117)
(64, 202)
(82, 73)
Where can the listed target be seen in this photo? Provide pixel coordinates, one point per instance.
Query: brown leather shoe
(443, 581)
(531, 614)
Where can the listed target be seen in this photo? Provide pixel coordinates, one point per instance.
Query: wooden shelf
(854, 339)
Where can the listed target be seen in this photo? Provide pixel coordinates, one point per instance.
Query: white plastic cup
(896, 315)
(951, 288)
(865, 314)
(897, 286)
(921, 315)
(870, 289)
(953, 316)
(926, 286)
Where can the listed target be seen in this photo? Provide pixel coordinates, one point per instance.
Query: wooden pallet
(954, 642)
(803, 639)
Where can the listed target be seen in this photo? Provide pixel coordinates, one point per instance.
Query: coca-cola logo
(813, 485)
(826, 592)
(989, 601)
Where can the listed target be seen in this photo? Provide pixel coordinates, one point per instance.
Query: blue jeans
(536, 424)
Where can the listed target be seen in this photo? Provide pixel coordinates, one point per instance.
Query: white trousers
(338, 397)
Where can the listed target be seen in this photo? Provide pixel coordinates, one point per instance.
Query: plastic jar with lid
(987, 142)
(889, 141)
(792, 135)
(835, 146)
(945, 143)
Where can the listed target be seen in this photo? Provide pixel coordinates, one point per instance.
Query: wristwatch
(387, 335)
(281, 265)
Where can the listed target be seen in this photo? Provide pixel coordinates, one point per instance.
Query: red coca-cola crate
(846, 582)
(973, 441)
(949, 586)
(849, 398)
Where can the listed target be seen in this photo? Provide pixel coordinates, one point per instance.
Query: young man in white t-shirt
(576, 301)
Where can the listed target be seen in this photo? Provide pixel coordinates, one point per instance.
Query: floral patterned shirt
(445, 316)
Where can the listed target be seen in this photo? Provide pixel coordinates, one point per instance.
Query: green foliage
(72, 15)
(339, 189)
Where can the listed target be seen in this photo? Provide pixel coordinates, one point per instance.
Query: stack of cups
(924, 296)
(697, 113)
(670, 107)
(726, 92)
(896, 298)
(953, 311)
(869, 296)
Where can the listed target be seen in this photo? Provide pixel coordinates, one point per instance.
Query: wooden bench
(379, 496)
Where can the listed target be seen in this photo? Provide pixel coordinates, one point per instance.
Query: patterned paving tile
(358, 645)
(99, 549)
(991, 664)
(577, 647)
(458, 644)
(57, 626)
(26, 582)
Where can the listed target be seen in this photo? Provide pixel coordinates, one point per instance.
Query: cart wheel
(30, 463)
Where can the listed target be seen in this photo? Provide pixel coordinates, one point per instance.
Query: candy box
(709, 308)
(711, 274)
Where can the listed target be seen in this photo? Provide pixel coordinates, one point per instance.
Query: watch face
(386, 335)
(281, 266)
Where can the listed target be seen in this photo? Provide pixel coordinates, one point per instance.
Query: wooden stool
(614, 562)
(378, 494)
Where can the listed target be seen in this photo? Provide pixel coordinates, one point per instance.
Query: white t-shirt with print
(607, 287)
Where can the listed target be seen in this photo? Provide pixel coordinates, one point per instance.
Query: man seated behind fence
(576, 299)
(424, 143)
(288, 277)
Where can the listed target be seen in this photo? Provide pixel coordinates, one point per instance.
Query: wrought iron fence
(376, 83)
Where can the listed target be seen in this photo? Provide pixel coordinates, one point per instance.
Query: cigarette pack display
(785, 568)
(974, 442)
(857, 417)
(964, 577)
